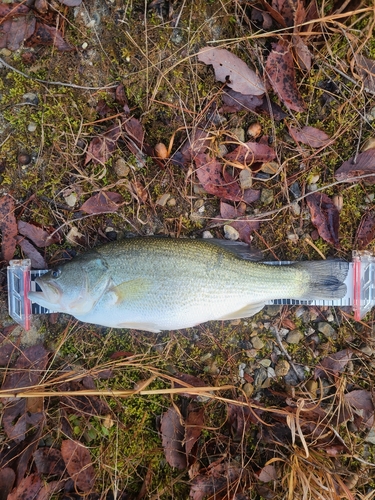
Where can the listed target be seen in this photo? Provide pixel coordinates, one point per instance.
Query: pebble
(257, 343)
(248, 389)
(207, 235)
(312, 387)
(84, 45)
(71, 199)
(296, 208)
(266, 196)
(73, 235)
(326, 329)
(370, 438)
(314, 179)
(265, 362)
(32, 127)
(293, 378)
(282, 368)
(295, 190)
(5, 52)
(292, 237)
(223, 150)
(230, 233)
(312, 187)
(367, 350)
(31, 98)
(241, 370)
(294, 337)
(270, 167)
(172, 202)
(237, 133)
(162, 200)
(271, 372)
(260, 376)
(246, 179)
(121, 168)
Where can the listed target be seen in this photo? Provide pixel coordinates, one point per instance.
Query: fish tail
(325, 279)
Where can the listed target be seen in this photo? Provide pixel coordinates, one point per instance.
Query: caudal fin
(326, 278)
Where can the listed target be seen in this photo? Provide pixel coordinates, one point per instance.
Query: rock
(5, 52)
(266, 196)
(230, 233)
(172, 202)
(207, 235)
(295, 190)
(282, 368)
(292, 237)
(31, 98)
(312, 187)
(122, 169)
(248, 389)
(32, 127)
(265, 362)
(270, 167)
(326, 329)
(246, 179)
(257, 343)
(74, 236)
(237, 133)
(294, 337)
(296, 209)
(271, 372)
(241, 369)
(71, 199)
(293, 378)
(162, 200)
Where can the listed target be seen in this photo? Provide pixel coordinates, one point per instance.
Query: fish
(156, 283)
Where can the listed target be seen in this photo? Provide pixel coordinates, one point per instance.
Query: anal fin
(245, 312)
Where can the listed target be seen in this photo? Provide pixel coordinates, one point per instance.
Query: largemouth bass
(155, 284)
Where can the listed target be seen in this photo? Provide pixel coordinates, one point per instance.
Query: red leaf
(103, 202)
(251, 152)
(302, 52)
(193, 427)
(364, 165)
(172, 434)
(325, 217)
(366, 231)
(267, 473)
(196, 144)
(311, 136)
(333, 364)
(78, 464)
(13, 32)
(231, 70)
(49, 461)
(101, 148)
(37, 260)
(281, 73)
(13, 9)
(244, 226)
(362, 401)
(7, 478)
(28, 488)
(366, 69)
(48, 35)
(8, 226)
(39, 236)
(235, 101)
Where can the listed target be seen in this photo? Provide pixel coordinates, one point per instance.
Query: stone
(32, 127)
(265, 362)
(237, 133)
(246, 179)
(257, 343)
(162, 200)
(266, 196)
(230, 233)
(248, 389)
(294, 337)
(122, 169)
(282, 368)
(326, 329)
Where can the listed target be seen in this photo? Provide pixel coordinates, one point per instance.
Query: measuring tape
(360, 285)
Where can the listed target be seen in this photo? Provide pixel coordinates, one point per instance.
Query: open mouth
(48, 297)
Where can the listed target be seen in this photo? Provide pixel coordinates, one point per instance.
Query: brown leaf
(8, 226)
(71, 3)
(311, 136)
(366, 231)
(210, 174)
(196, 144)
(193, 427)
(134, 137)
(240, 418)
(7, 479)
(364, 165)
(39, 236)
(28, 488)
(362, 401)
(103, 202)
(231, 70)
(218, 484)
(285, 10)
(251, 152)
(49, 461)
(13, 32)
(101, 147)
(366, 69)
(48, 35)
(281, 74)
(9, 10)
(172, 434)
(139, 191)
(244, 226)
(37, 260)
(325, 217)
(302, 52)
(267, 473)
(188, 379)
(78, 464)
(235, 101)
(333, 364)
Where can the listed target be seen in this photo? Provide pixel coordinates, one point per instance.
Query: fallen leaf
(285, 9)
(71, 3)
(101, 147)
(281, 74)
(78, 464)
(139, 191)
(311, 136)
(14, 31)
(102, 202)
(217, 483)
(251, 152)
(7, 479)
(210, 174)
(28, 488)
(364, 165)
(366, 69)
(197, 143)
(231, 70)
(37, 260)
(325, 217)
(172, 434)
(134, 137)
(193, 427)
(6, 351)
(48, 35)
(302, 52)
(267, 473)
(190, 380)
(333, 364)
(8, 226)
(235, 101)
(13, 9)
(49, 461)
(366, 231)
(39, 236)
(244, 226)
(240, 418)
(362, 402)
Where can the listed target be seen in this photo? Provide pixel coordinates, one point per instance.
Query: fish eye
(55, 273)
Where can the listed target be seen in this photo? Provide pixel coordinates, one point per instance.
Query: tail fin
(326, 278)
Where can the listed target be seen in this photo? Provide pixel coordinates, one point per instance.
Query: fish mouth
(49, 297)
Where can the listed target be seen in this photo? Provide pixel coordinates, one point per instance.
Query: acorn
(161, 151)
(24, 159)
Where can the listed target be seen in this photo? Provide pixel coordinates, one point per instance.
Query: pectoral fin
(129, 290)
(245, 312)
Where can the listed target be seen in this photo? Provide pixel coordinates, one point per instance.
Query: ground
(308, 431)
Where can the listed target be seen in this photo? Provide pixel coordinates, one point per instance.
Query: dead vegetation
(116, 119)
